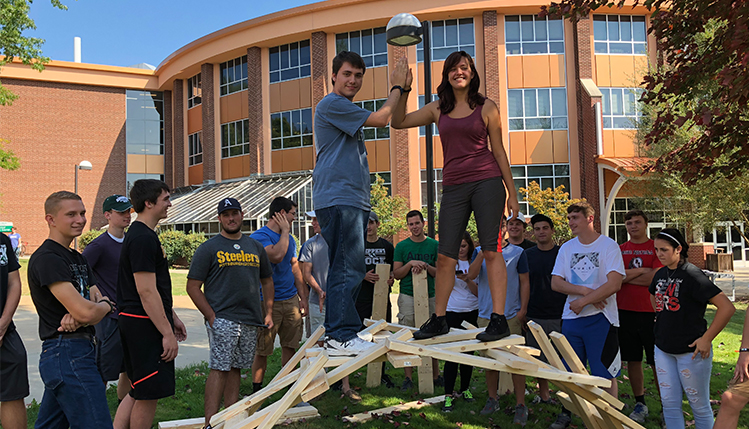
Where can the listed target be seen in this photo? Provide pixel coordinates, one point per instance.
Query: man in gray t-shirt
(232, 268)
(314, 259)
(341, 190)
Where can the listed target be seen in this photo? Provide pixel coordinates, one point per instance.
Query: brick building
(239, 102)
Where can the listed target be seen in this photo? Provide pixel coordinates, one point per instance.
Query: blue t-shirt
(283, 278)
(341, 175)
(517, 263)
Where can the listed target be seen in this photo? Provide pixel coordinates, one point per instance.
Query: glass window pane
(606, 101)
(380, 41)
(296, 119)
(601, 48)
(526, 28)
(540, 170)
(369, 134)
(451, 33)
(544, 103)
(563, 181)
(307, 140)
(558, 102)
(290, 74)
(599, 27)
(556, 29)
(515, 103)
(304, 52)
(235, 86)
(442, 53)
(562, 170)
(620, 48)
(366, 42)
(512, 28)
(613, 28)
(235, 151)
(640, 48)
(383, 133)
(638, 28)
(152, 133)
(535, 48)
(232, 134)
(284, 56)
(559, 123)
(626, 28)
(547, 182)
(274, 59)
(519, 183)
(617, 103)
(286, 124)
(380, 60)
(516, 124)
(513, 48)
(246, 127)
(629, 102)
(606, 122)
(624, 123)
(556, 47)
(534, 124)
(307, 121)
(275, 144)
(529, 96)
(540, 27)
(292, 142)
(438, 34)
(230, 71)
(470, 50)
(294, 54)
(466, 31)
(518, 171)
(341, 42)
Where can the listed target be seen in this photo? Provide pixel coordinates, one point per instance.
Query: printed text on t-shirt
(667, 295)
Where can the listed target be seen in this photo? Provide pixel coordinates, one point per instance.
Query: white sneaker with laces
(351, 347)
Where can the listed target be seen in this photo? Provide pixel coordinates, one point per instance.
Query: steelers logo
(237, 246)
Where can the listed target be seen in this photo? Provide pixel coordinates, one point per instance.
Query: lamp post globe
(404, 29)
(85, 165)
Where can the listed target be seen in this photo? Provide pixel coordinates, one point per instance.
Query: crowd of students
(107, 314)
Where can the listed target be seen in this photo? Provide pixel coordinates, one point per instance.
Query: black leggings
(451, 368)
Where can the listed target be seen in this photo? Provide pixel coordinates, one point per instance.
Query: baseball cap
(228, 204)
(520, 217)
(118, 203)
(373, 216)
(311, 213)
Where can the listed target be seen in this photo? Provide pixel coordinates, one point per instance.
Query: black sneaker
(439, 381)
(436, 325)
(385, 379)
(496, 330)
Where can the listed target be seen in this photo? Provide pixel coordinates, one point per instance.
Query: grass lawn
(188, 399)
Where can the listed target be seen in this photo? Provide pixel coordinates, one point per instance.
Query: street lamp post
(405, 29)
(83, 165)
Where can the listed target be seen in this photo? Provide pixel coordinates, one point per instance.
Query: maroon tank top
(466, 153)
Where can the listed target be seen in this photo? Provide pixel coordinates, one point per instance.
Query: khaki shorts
(515, 327)
(741, 389)
(406, 310)
(287, 323)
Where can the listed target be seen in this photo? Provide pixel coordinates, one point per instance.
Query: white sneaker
(365, 336)
(351, 347)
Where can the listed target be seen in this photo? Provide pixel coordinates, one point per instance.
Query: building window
(370, 44)
(621, 109)
(291, 129)
(657, 218)
(537, 109)
(195, 149)
(234, 75)
(371, 133)
(437, 186)
(547, 176)
(194, 91)
(529, 34)
(235, 138)
(449, 36)
(288, 62)
(144, 126)
(387, 180)
(423, 130)
(620, 34)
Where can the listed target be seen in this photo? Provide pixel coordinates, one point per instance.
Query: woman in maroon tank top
(476, 178)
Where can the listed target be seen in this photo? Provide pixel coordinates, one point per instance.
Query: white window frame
(305, 69)
(554, 116)
(231, 77)
(194, 91)
(600, 41)
(194, 149)
(241, 133)
(607, 103)
(306, 138)
(372, 59)
(537, 37)
(438, 47)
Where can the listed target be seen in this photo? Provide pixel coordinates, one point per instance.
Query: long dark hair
(673, 237)
(469, 240)
(445, 90)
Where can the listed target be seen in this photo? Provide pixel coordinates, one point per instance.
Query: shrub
(192, 242)
(87, 237)
(179, 246)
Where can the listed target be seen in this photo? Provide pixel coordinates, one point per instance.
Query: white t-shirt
(587, 265)
(461, 299)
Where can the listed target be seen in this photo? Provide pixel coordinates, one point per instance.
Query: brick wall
(491, 54)
(208, 138)
(168, 142)
(255, 109)
(698, 253)
(51, 128)
(320, 78)
(180, 139)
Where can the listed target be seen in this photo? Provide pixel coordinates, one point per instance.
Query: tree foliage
(706, 45)
(8, 160)
(391, 210)
(552, 202)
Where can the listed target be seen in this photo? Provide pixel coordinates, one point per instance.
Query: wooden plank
(530, 350)
(196, 423)
(523, 353)
(392, 327)
(366, 416)
(403, 360)
(379, 311)
(290, 416)
(421, 314)
(256, 398)
(466, 324)
(473, 345)
(511, 360)
(357, 362)
(317, 386)
(585, 393)
(367, 333)
(452, 336)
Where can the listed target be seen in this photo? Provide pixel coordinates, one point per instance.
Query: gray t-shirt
(341, 175)
(315, 251)
(231, 271)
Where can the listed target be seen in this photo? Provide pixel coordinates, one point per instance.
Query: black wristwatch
(744, 349)
(400, 88)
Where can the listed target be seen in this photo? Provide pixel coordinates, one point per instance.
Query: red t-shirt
(635, 297)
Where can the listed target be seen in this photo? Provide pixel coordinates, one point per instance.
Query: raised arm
(401, 76)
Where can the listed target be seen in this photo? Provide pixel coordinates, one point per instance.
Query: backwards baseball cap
(228, 204)
(373, 216)
(520, 217)
(311, 213)
(118, 203)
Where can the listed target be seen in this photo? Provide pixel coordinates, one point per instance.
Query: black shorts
(13, 368)
(635, 335)
(150, 377)
(486, 199)
(109, 356)
(365, 311)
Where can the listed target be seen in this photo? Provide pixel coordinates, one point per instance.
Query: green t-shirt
(408, 250)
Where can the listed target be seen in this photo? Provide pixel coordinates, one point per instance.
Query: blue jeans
(344, 229)
(680, 371)
(74, 393)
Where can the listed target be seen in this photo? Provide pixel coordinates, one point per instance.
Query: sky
(129, 32)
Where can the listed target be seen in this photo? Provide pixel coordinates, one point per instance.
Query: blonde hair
(52, 204)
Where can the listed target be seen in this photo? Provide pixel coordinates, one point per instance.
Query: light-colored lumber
(421, 314)
(367, 333)
(196, 423)
(392, 327)
(530, 350)
(290, 416)
(379, 311)
(468, 325)
(404, 360)
(366, 416)
(473, 345)
(317, 386)
(454, 335)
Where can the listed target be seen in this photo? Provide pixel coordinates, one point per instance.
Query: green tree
(14, 20)
(391, 210)
(705, 88)
(552, 203)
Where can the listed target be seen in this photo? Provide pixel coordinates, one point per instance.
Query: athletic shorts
(549, 326)
(232, 344)
(635, 335)
(150, 377)
(14, 372)
(406, 316)
(287, 324)
(109, 357)
(486, 199)
(595, 341)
